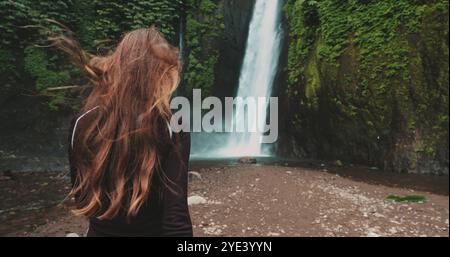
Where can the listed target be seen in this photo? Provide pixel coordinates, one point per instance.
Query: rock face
(401, 125)
(237, 15)
(371, 103)
(35, 138)
(32, 137)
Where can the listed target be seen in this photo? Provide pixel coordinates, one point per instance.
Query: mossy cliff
(216, 34)
(213, 34)
(362, 81)
(368, 82)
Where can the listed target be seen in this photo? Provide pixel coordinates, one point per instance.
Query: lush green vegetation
(97, 24)
(373, 76)
(367, 80)
(204, 27)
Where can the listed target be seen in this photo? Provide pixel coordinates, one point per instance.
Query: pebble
(194, 175)
(372, 234)
(393, 230)
(196, 199)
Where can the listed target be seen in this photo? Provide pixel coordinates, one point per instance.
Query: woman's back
(129, 172)
(165, 212)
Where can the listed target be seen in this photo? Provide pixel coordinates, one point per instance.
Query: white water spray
(257, 76)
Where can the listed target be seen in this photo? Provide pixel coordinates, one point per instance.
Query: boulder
(247, 160)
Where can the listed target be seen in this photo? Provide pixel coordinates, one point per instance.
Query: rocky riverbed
(255, 200)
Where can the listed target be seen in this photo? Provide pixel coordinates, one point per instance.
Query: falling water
(181, 38)
(257, 77)
(256, 80)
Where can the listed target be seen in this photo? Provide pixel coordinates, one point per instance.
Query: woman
(129, 171)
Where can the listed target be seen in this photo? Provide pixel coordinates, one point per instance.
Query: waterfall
(257, 77)
(181, 38)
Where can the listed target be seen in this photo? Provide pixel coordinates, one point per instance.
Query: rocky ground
(256, 200)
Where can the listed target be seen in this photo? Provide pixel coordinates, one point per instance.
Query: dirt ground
(255, 200)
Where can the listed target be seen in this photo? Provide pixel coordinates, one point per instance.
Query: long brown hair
(116, 154)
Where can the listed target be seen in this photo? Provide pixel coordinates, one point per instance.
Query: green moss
(204, 27)
(407, 198)
(313, 81)
(37, 65)
(97, 24)
(379, 78)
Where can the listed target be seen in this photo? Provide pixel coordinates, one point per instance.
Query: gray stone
(196, 199)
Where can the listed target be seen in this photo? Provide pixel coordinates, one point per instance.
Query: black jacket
(166, 212)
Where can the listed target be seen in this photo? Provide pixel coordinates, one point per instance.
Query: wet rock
(247, 160)
(237, 15)
(196, 199)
